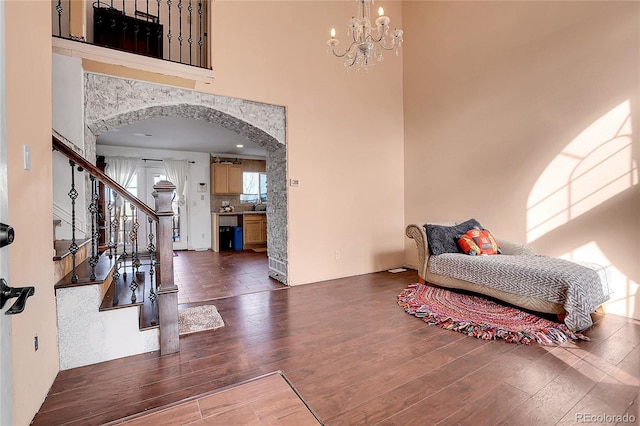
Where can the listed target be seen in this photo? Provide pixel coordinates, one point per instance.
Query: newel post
(167, 290)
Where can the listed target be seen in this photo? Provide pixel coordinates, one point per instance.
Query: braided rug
(481, 318)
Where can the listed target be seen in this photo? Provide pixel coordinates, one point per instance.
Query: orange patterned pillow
(478, 241)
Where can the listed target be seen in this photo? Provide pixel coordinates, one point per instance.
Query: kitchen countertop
(238, 213)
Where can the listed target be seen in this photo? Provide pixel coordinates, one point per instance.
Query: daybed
(518, 276)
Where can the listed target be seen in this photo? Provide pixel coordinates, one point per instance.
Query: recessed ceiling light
(239, 146)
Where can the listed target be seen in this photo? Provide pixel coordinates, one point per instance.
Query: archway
(112, 102)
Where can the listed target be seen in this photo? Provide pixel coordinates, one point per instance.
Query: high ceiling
(181, 134)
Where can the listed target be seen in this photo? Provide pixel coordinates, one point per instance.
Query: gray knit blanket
(580, 289)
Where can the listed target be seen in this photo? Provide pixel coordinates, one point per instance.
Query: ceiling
(181, 134)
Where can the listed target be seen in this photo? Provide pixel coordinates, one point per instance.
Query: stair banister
(167, 291)
(80, 161)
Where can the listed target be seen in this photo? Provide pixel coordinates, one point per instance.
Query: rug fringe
(557, 334)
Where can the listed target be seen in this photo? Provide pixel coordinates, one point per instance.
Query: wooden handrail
(79, 160)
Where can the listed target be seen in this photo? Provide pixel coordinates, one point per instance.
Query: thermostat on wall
(295, 182)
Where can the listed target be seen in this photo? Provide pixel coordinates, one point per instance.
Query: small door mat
(199, 318)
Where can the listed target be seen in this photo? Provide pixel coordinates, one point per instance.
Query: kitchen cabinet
(226, 179)
(255, 229)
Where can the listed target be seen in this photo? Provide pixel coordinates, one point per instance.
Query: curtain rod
(153, 159)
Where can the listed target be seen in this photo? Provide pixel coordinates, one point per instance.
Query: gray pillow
(444, 239)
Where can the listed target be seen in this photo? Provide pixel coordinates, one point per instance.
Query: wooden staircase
(148, 310)
(98, 305)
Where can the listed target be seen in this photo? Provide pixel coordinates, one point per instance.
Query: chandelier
(366, 49)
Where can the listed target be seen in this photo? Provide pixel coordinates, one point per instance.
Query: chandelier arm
(345, 52)
(377, 40)
(333, 50)
(393, 46)
(353, 61)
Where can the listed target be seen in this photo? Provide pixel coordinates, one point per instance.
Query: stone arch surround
(111, 102)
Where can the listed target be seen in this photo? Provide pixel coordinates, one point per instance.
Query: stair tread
(120, 287)
(62, 247)
(83, 271)
(148, 315)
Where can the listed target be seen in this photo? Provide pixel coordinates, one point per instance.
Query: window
(254, 188)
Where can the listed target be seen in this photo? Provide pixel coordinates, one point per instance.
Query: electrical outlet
(337, 254)
(35, 342)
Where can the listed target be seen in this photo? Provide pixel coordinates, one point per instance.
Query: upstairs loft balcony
(172, 30)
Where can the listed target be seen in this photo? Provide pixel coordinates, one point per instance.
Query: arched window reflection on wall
(594, 167)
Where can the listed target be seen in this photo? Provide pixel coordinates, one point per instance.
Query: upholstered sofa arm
(416, 232)
(509, 247)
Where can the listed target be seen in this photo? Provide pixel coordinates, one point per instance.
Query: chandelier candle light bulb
(382, 21)
(366, 46)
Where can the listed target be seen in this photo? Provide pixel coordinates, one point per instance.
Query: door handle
(22, 293)
(7, 235)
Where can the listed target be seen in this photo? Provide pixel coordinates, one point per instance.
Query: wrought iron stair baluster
(59, 9)
(151, 248)
(134, 257)
(180, 28)
(73, 248)
(110, 223)
(169, 34)
(93, 209)
(125, 220)
(158, 33)
(115, 228)
(200, 42)
(190, 39)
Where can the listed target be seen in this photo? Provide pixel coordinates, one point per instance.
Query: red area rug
(481, 318)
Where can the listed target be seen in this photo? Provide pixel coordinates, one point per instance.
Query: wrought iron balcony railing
(174, 30)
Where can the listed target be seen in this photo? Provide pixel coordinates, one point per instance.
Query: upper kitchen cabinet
(226, 178)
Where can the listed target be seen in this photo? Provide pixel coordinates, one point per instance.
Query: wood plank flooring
(357, 358)
(267, 400)
(208, 275)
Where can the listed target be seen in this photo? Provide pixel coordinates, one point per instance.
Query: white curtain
(177, 174)
(122, 169)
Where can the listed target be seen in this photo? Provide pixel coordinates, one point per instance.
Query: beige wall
(28, 74)
(344, 130)
(500, 103)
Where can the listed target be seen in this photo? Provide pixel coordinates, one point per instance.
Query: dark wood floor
(357, 358)
(208, 275)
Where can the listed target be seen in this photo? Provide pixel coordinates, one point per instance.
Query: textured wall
(87, 336)
(111, 102)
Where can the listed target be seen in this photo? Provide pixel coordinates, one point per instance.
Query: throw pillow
(444, 239)
(477, 242)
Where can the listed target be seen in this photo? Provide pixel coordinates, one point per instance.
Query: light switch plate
(27, 157)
